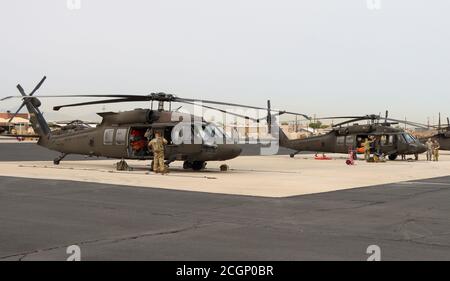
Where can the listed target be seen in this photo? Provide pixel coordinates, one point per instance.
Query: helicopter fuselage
(114, 138)
(393, 141)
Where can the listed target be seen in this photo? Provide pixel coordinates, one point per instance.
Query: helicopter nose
(422, 148)
(419, 148)
(229, 151)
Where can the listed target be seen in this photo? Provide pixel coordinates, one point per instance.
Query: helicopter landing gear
(167, 163)
(195, 165)
(292, 155)
(58, 159)
(224, 168)
(187, 165)
(392, 157)
(198, 165)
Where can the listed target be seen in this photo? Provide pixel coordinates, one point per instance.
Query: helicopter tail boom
(284, 140)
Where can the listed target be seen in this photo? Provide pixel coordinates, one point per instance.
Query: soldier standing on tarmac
(429, 144)
(157, 146)
(436, 148)
(367, 145)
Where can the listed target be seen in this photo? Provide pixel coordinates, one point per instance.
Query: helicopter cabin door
(344, 143)
(139, 138)
(170, 148)
(388, 143)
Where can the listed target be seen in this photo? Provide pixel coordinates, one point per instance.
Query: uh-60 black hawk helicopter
(349, 135)
(442, 135)
(124, 135)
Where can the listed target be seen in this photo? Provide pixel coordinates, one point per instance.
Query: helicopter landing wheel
(57, 160)
(198, 165)
(224, 168)
(392, 157)
(187, 165)
(292, 155)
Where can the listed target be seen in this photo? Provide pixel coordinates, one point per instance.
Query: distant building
(21, 122)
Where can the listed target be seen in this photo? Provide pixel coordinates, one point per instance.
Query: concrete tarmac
(40, 218)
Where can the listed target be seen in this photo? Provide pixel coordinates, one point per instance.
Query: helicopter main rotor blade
(238, 105)
(351, 121)
(219, 103)
(414, 124)
(224, 111)
(141, 98)
(56, 108)
(340, 117)
(368, 117)
(79, 96)
(294, 113)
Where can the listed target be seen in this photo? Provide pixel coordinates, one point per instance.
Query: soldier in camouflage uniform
(157, 146)
(436, 147)
(429, 144)
(367, 146)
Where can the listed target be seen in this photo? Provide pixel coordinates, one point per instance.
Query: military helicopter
(124, 135)
(442, 135)
(344, 137)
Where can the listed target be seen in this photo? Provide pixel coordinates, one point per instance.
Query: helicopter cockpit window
(108, 137)
(340, 140)
(121, 136)
(409, 138)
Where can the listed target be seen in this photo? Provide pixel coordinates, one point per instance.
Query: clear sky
(323, 57)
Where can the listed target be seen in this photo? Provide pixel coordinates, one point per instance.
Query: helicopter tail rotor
(36, 103)
(32, 103)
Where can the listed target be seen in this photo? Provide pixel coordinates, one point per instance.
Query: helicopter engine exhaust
(365, 129)
(130, 117)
